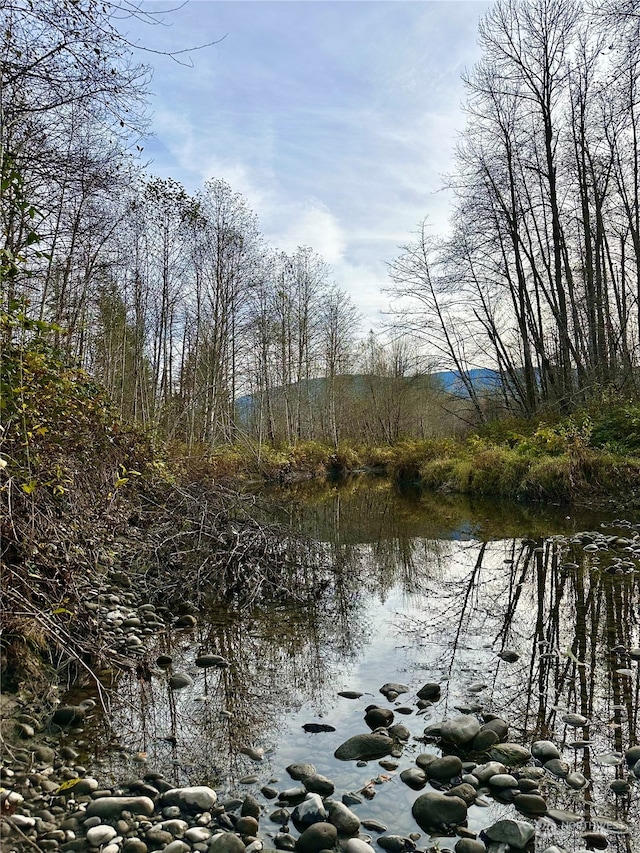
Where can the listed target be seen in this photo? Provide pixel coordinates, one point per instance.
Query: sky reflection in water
(425, 589)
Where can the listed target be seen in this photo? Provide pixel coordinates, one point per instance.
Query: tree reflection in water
(423, 589)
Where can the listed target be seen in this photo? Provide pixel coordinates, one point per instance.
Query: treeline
(174, 301)
(540, 276)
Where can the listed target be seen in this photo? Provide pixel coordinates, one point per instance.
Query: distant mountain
(482, 379)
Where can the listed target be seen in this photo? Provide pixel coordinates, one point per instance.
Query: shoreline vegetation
(554, 464)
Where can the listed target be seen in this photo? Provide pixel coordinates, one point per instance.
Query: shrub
(617, 427)
(498, 471)
(448, 475)
(550, 478)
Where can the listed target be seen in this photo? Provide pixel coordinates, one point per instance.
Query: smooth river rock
(300, 771)
(516, 833)
(101, 834)
(112, 807)
(393, 689)
(414, 777)
(364, 747)
(358, 845)
(429, 691)
(460, 730)
(436, 811)
(531, 804)
(317, 784)
(199, 798)
(180, 680)
(511, 754)
(205, 661)
(445, 768)
(320, 836)
(310, 810)
(544, 750)
(469, 845)
(344, 820)
(226, 842)
(376, 716)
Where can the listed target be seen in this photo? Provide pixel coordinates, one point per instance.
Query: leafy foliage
(56, 419)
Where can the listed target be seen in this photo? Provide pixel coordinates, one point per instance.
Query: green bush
(498, 471)
(617, 427)
(549, 478)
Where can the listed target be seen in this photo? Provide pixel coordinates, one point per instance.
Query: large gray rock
(68, 715)
(358, 845)
(376, 716)
(429, 691)
(320, 836)
(344, 820)
(445, 768)
(544, 750)
(497, 725)
(199, 798)
(414, 777)
(557, 767)
(437, 811)
(465, 791)
(250, 807)
(364, 747)
(530, 804)
(318, 784)
(226, 842)
(101, 834)
(632, 755)
(484, 772)
(469, 845)
(300, 771)
(205, 661)
(134, 845)
(310, 810)
(511, 754)
(576, 780)
(460, 730)
(399, 732)
(110, 807)
(484, 740)
(246, 826)
(516, 833)
(177, 846)
(392, 690)
(180, 680)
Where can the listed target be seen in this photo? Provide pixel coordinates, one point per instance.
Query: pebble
(101, 834)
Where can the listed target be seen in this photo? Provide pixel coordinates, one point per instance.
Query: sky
(335, 120)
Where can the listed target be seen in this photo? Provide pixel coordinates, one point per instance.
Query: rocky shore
(51, 803)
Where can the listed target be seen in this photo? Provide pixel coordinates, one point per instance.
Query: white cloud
(337, 141)
(312, 224)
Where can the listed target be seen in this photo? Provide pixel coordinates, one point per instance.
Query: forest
(203, 333)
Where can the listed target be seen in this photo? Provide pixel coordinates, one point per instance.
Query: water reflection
(423, 589)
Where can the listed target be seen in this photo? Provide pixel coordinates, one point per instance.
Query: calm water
(422, 589)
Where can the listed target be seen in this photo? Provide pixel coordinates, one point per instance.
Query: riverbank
(558, 465)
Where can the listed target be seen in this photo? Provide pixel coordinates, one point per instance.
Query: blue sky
(336, 120)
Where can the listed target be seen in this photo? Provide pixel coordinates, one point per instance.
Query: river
(504, 606)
